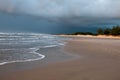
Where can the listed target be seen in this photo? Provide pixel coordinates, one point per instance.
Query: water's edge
(23, 47)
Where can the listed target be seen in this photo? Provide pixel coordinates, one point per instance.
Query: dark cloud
(58, 16)
(27, 23)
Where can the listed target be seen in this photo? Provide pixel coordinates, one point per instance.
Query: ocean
(22, 47)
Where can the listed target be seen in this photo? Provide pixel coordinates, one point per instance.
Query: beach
(87, 58)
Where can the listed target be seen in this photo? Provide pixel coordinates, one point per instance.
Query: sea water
(22, 47)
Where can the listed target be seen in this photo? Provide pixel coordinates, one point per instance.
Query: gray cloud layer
(62, 8)
(67, 15)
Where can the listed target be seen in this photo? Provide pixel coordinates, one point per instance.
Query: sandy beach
(97, 59)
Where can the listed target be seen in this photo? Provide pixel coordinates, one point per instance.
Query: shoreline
(28, 60)
(52, 55)
(99, 61)
(91, 36)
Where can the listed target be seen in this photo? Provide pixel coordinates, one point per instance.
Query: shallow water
(22, 47)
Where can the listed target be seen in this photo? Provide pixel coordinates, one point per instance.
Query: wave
(27, 60)
(22, 47)
(33, 51)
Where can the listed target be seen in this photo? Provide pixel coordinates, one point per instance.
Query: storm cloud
(63, 8)
(58, 16)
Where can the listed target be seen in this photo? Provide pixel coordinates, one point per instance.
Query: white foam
(28, 60)
(50, 46)
(54, 45)
(26, 38)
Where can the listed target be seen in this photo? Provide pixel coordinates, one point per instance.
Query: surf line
(28, 60)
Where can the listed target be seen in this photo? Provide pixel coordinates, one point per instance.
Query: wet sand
(98, 59)
(52, 55)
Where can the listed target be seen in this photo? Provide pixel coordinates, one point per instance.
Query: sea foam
(23, 47)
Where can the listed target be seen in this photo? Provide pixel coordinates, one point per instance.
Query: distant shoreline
(92, 36)
(113, 33)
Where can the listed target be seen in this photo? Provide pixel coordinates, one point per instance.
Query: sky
(76, 13)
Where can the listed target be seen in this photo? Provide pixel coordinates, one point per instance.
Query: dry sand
(98, 59)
